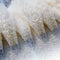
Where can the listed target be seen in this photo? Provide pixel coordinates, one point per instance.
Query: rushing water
(45, 48)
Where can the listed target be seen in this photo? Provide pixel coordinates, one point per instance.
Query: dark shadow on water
(7, 2)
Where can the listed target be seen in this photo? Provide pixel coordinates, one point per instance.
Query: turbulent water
(45, 48)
